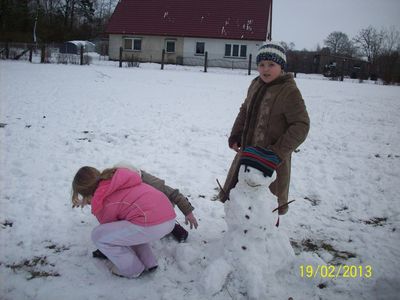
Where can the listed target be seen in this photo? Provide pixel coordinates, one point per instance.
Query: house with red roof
(228, 30)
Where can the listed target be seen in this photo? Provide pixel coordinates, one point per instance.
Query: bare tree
(369, 41)
(339, 43)
(391, 40)
(288, 47)
(388, 61)
(54, 20)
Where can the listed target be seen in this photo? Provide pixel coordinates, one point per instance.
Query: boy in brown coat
(273, 116)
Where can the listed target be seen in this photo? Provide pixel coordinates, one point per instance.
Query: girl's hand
(190, 219)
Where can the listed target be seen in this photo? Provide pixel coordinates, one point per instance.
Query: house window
(200, 48)
(234, 50)
(137, 44)
(170, 46)
(134, 44)
(228, 50)
(243, 51)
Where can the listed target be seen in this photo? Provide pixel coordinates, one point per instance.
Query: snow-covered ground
(174, 124)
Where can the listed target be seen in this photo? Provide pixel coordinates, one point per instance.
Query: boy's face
(269, 70)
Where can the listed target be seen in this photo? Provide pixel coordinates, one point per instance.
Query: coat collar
(286, 77)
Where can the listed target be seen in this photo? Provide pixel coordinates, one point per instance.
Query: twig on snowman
(222, 190)
(283, 205)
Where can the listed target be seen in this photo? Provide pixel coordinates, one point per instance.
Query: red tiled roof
(227, 19)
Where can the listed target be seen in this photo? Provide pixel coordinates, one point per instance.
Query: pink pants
(126, 245)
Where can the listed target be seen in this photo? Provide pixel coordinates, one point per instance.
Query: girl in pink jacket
(131, 214)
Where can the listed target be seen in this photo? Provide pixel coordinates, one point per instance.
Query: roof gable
(227, 19)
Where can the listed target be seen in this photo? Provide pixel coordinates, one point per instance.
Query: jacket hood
(122, 179)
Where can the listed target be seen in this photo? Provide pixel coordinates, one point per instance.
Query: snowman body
(254, 245)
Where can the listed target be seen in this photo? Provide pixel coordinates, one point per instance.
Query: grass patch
(57, 248)
(319, 246)
(34, 267)
(377, 221)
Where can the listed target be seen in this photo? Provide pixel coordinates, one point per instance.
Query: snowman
(257, 260)
(254, 246)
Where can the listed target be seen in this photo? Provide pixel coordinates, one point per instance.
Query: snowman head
(258, 165)
(254, 178)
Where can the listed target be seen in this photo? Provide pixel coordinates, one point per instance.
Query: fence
(194, 61)
(218, 63)
(43, 53)
(55, 53)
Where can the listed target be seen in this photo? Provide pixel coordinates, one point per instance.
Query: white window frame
(166, 45)
(133, 39)
(239, 48)
(204, 49)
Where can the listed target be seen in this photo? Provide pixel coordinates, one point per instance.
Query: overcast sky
(308, 22)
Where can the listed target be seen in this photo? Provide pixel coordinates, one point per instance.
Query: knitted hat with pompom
(272, 51)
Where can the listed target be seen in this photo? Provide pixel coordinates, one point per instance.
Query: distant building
(228, 30)
(323, 62)
(74, 47)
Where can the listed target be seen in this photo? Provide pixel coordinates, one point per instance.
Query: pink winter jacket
(126, 197)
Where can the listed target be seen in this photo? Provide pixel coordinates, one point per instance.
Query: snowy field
(175, 124)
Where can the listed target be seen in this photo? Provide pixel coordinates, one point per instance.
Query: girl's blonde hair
(85, 183)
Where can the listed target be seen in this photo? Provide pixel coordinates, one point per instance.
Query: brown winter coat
(272, 116)
(174, 196)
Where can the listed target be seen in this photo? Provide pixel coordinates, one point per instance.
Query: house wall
(185, 51)
(152, 47)
(216, 50)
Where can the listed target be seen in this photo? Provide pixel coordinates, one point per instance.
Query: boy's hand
(235, 147)
(283, 210)
(190, 219)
